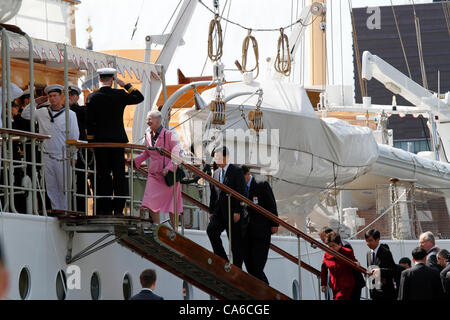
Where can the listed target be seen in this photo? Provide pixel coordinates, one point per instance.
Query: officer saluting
(105, 109)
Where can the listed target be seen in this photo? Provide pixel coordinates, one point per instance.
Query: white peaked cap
(53, 87)
(106, 71)
(74, 88)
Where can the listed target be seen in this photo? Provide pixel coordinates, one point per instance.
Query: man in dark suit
(444, 260)
(426, 241)
(148, 282)
(380, 255)
(231, 176)
(259, 228)
(420, 282)
(357, 276)
(105, 109)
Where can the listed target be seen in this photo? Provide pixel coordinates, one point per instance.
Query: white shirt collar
(147, 289)
(250, 181)
(376, 249)
(224, 169)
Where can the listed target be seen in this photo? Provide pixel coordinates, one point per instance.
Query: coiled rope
(215, 25)
(245, 44)
(283, 60)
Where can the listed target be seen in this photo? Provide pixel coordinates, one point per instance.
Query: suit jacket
(81, 118)
(445, 279)
(261, 193)
(146, 295)
(420, 283)
(105, 109)
(385, 262)
(432, 260)
(218, 201)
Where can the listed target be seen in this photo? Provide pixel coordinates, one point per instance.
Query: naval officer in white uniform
(52, 122)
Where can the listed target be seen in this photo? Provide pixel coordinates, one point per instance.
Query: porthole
(187, 291)
(127, 287)
(295, 290)
(24, 283)
(95, 286)
(61, 285)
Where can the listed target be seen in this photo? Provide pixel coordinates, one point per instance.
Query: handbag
(179, 175)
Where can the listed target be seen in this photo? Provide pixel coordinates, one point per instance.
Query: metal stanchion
(299, 271)
(67, 109)
(32, 125)
(320, 289)
(86, 203)
(175, 196)
(95, 186)
(131, 182)
(229, 229)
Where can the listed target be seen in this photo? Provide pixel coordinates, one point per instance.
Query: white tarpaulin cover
(310, 154)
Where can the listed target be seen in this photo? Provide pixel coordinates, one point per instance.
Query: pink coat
(158, 196)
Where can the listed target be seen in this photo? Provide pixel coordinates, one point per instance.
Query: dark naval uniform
(105, 109)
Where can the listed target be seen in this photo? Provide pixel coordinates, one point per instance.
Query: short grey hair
(428, 236)
(154, 114)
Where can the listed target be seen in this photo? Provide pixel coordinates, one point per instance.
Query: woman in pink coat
(158, 196)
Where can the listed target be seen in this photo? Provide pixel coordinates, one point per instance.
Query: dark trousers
(356, 293)
(387, 294)
(215, 228)
(110, 161)
(256, 254)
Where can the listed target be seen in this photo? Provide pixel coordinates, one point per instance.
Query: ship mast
(317, 50)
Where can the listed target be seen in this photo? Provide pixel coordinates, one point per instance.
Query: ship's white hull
(39, 244)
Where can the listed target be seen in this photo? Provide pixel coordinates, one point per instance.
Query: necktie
(247, 189)
(373, 257)
(222, 175)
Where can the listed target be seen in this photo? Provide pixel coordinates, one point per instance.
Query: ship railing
(10, 140)
(178, 161)
(136, 179)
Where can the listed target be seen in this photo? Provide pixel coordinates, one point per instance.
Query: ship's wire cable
(258, 29)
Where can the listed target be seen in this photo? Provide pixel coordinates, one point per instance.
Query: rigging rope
(256, 29)
(446, 16)
(215, 25)
(401, 39)
(419, 48)
(245, 44)
(357, 55)
(283, 61)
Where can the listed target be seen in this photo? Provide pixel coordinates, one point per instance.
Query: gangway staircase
(174, 253)
(181, 256)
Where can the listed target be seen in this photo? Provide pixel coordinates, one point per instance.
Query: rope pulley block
(218, 112)
(283, 59)
(255, 118)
